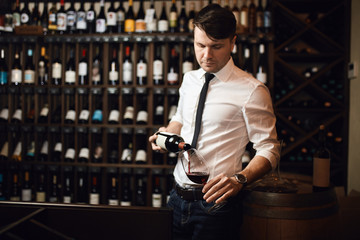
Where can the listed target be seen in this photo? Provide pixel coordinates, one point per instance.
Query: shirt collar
(223, 74)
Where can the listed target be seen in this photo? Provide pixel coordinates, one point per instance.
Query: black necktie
(200, 108)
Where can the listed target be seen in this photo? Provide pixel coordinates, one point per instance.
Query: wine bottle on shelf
(4, 154)
(321, 164)
(44, 152)
(3, 69)
(15, 191)
(173, 73)
(192, 14)
(128, 117)
(141, 67)
(26, 195)
(16, 70)
(84, 113)
(183, 19)
(126, 193)
(252, 17)
(91, 19)
(140, 24)
(61, 18)
(113, 103)
(43, 67)
(259, 17)
(158, 107)
(130, 18)
(113, 199)
(25, 14)
(54, 188)
(97, 156)
(95, 193)
(69, 145)
(173, 21)
(40, 195)
(261, 73)
(244, 18)
(158, 67)
(141, 147)
(171, 142)
(35, 15)
(236, 11)
(56, 68)
(97, 116)
(52, 25)
(29, 71)
(111, 19)
(113, 152)
(188, 62)
(127, 67)
(114, 69)
(70, 115)
(30, 153)
(16, 15)
(120, 18)
(56, 155)
(96, 76)
(267, 17)
(173, 101)
(82, 192)
(84, 152)
(17, 115)
(163, 23)
(140, 195)
(101, 19)
(247, 65)
(56, 114)
(83, 69)
(4, 114)
(142, 114)
(127, 146)
(151, 18)
(68, 189)
(235, 56)
(80, 23)
(71, 18)
(156, 195)
(44, 18)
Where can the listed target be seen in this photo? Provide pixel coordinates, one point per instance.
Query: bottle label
(58, 147)
(81, 20)
(52, 21)
(140, 156)
(150, 20)
(267, 19)
(16, 20)
(71, 19)
(84, 153)
(129, 25)
(321, 175)
(187, 66)
(114, 115)
(172, 77)
(140, 25)
(120, 16)
(16, 76)
(94, 198)
(126, 155)
(4, 114)
(156, 200)
(26, 195)
(141, 70)
(100, 25)
(142, 116)
(41, 69)
(261, 77)
(129, 112)
(56, 70)
(125, 203)
(40, 196)
(244, 19)
(114, 76)
(67, 199)
(158, 69)
(90, 15)
(70, 76)
(163, 25)
(127, 72)
(3, 78)
(172, 111)
(5, 150)
(70, 153)
(97, 116)
(161, 140)
(111, 18)
(44, 111)
(61, 21)
(18, 114)
(173, 19)
(96, 77)
(45, 148)
(84, 115)
(83, 69)
(17, 151)
(70, 115)
(113, 202)
(24, 18)
(159, 110)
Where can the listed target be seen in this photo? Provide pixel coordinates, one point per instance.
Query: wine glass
(197, 171)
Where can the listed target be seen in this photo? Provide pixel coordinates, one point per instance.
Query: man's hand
(220, 188)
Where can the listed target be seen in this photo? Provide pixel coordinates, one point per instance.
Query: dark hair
(217, 22)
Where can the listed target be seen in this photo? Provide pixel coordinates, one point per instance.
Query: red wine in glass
(198, 177)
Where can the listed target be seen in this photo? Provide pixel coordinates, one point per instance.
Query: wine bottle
(252, 17)
(101, 19)
(173, 21)
(80, 23)
(54, 189)
(267, 17)
(163, 23)
(141, 147)
(247, 65)
(3, 69)
(40, 195)
(61, 18)
(261, 73)
(26, 195)
(71, 18)
(84, 152)
(188, 63)
(96, 77)
(140, 24)
(16, 70)
(130, 18)
(91, 19)
(52, 24)
(43, 68)
(94, 194)
(128, 117)
(17, 115)
(2, 188)
(260, 17)
(113, 103)
(171, 142)
(113, 153)
(192, 14)
(120, 18)
(84, 113)
(82, 192)
(140, 195)
(15, 192)
(70, 72)
(125, 191)
(141, 68)
(114, 69)
(56, 68)
(25, 14)
(244, 18)
(35, 15)
(111, 19)
(321, 164)
(97, 116)
(173, 73)
(156, 195)
(127, 146)
(56, 155)
(236, 11)
(30, 153)
(16, 16)
(68, 192)
(83, 69)
(151, 18)
(4, 114)
(70, 115)
(44, 19)
(97, 156)
(142, 115)
(113, 199)
(183, 19)
(127, 67)
(29, 71)
(173, 101)
(159, 107)
(158, 67)
(44, 152)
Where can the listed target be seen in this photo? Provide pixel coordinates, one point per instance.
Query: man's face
(212, 55)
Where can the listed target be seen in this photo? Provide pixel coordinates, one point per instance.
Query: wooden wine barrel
(302, 215)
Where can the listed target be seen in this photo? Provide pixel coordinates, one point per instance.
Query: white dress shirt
(238, 108)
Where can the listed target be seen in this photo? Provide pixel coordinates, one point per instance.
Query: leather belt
(189, 194)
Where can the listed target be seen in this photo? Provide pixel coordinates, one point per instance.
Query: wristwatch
(241, 178)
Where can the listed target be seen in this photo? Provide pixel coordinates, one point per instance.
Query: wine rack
(311, 52)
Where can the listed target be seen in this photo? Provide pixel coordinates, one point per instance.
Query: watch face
(241, 178)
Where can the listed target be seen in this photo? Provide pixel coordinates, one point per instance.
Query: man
(238, 109)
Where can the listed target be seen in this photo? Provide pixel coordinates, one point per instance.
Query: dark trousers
(191, 219)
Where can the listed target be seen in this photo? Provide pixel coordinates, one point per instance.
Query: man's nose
(207, 52)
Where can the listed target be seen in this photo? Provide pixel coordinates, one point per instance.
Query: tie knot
(209, 76)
